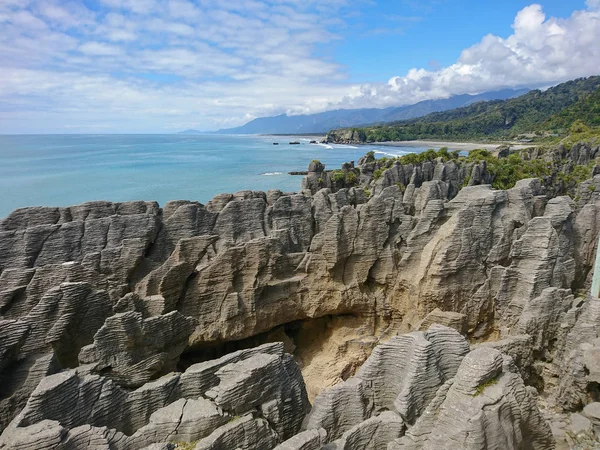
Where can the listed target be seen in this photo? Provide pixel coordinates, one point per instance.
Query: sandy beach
(466, 146)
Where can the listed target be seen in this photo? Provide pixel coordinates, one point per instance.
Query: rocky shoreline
(352, 136)
(463, 146)
(413, 305)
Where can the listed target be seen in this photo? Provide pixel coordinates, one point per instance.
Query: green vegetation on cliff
(585, 112)
(547, 163)
(552, 111)
(507, 171)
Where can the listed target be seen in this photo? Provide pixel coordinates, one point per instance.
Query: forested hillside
(325, 121)
(552, 111)
(586, 110)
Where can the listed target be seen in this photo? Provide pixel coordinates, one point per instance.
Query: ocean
(62, 170)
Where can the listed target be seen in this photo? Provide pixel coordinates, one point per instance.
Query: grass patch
(338, 175)
(482, 386)
(186, 445)
(591, 135)
(349, 178)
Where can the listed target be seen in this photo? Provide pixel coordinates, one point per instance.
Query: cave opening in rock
(593, 390)
(286, 333)
(328, 349)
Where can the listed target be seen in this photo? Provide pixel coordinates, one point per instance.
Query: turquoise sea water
(62, 170)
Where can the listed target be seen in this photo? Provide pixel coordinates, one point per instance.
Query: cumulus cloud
(98, 49)
(541, 51)
(142, 65)
(145, 65)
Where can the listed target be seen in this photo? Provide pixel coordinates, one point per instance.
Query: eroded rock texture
(255, 399)
(112, 297)
(425, 390)
(486, 405)
(75, 408)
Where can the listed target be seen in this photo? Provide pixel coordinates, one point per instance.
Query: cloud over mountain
(140, 65)
(541, 50)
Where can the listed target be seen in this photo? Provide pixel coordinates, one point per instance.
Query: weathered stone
(306, 440)
(185, 420)
(447, 318)
(577, 358)
(485, 406)
(372, 434)
(580, 424)
(402, 374)
(245, 433)
(80, 408)
(157, 343)
(592, 411)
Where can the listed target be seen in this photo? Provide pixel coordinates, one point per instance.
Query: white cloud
(136, 6)
(181, 9)
(68, 15)
(541, 51)
(98, 49)
(144, 65)
(593, 4)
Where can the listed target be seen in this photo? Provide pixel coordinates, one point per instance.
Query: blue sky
(110, 66)
(425, 34)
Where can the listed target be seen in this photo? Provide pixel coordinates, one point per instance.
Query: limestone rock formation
(486, 405)
(132, 350)
(107, 300)
(446, 318)
(578, 359)
(372, 434)
(450, 398)
(72, 409)
(401, 375)
(246, 433)
(306, 440)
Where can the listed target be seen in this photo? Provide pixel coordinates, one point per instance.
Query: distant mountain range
(552, 111)
(341, 118)
(191, 132)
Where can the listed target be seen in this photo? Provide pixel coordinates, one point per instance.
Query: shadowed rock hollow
(121, 302)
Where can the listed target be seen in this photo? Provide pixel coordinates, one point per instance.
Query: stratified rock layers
(70, 409)
(256, 400)
(112, 297)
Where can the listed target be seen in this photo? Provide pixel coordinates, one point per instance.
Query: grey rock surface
(372, 434)
(401, 375)
(577, 365)
(305, 440)
(104, 300)
(485, 406)
(592, 411)
(447, 318)
(78, 409)
(132, 350)
(246, 433)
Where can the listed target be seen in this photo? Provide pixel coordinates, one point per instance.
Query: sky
(161, 66)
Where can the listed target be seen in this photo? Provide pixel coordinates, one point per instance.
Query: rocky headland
(390, 304)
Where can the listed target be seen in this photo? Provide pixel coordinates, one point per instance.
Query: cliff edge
(134, 324)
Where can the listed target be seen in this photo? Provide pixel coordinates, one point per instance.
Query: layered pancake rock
(405, 396)
(111, 305)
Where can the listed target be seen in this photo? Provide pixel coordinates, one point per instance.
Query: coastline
(303, 136)
(466, 146)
